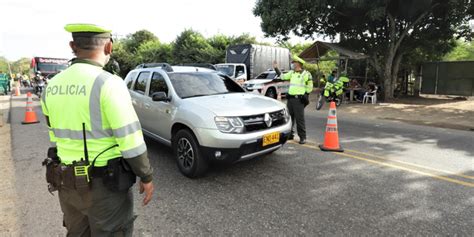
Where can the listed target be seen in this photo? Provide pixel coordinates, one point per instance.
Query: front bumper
(215, 138)
(244, 152)
(235, 147)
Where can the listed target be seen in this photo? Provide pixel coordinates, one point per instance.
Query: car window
(239, 70)
(267, 75)
(140, 84)
(189, 85)
(226, 69)
(129, 79)
(158, 84)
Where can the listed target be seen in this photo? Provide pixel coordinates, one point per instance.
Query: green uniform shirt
(300, 82)
(85, 93)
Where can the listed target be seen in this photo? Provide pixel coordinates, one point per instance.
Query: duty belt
(295, 96)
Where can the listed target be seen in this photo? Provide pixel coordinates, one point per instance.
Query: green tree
(219, 43)
(244, 39)
(191, 47)
(386, 30)
(21, 66)
(133, 41)
(463, 51)
(3, 65)
(124, 58)
(154, 51)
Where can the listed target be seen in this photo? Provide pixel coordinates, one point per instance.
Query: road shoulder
(8, 195)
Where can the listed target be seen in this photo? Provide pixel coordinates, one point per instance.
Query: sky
(36, 27)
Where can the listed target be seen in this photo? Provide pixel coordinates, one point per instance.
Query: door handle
(147, 106)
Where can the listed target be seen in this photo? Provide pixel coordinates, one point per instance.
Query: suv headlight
(286, 115)
(229, 124)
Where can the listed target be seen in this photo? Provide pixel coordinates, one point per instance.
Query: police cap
(298, 59)
(88, 30)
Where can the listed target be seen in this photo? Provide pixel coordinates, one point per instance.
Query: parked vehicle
(236, 71)
(47, 66)
(268, 83)
(332, 92)
(246, 61)
(205, 116)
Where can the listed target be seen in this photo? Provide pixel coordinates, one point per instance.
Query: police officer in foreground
(301, 84)
(98, 146)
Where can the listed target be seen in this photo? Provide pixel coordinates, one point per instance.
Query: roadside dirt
(436, 111)
(8, 196)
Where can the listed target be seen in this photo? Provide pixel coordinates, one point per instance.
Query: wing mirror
(160, 96)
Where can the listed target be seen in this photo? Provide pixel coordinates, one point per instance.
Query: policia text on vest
(66, 90)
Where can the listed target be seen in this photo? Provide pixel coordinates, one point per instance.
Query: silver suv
(205, 116)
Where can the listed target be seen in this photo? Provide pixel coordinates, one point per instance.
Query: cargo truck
(247, 61)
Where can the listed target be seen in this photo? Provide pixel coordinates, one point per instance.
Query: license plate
(271, 138)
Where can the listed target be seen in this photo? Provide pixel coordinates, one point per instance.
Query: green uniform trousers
(99, 212)
(296, 110)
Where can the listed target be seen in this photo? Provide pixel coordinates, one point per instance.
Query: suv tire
(188, 156)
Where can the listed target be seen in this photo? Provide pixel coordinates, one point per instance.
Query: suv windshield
(267, 75)
(189, 85)
(226, 69)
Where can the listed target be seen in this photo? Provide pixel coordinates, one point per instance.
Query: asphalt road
(393, 179)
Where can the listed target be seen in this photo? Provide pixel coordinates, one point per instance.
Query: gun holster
(75, 176)
(305, 99)
(53, 170)
(118, 176)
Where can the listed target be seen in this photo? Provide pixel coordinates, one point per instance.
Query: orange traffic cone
(17, 91)
(331, 137)
(30, 115)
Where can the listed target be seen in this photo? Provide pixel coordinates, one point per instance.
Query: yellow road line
(410, 170)
(398, 167)
(411, 164)
(408, 163)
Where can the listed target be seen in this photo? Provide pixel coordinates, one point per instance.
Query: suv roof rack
(164, 66)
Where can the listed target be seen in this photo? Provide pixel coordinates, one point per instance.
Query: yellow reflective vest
(85, 93)
(300, 82)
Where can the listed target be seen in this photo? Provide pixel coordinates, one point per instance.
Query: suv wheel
(186, 149)
(271, 92)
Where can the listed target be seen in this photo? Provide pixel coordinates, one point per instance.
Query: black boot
(302, 141)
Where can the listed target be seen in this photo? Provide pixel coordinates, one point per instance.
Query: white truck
(247, 61)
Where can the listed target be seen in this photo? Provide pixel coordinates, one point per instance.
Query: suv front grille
(257, 122)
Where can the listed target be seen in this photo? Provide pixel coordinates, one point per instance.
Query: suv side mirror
(160, 96)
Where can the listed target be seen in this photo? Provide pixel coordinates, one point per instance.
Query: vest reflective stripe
(98, 133)
(127, 129)
(94, 103)
(134, 151)
(298, 85)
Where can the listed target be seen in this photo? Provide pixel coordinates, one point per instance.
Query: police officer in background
(98, 145)
(301, 84)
